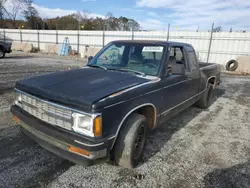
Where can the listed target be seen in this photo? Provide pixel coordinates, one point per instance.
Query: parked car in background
(108, 107)
(5, 47)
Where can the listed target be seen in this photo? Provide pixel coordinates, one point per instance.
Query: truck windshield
(143, 59)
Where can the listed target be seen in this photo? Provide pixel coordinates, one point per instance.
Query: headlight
(18, 98)
(87, 125)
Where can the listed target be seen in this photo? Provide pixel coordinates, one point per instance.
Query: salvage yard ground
(198, 148)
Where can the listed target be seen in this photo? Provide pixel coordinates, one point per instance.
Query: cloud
(9, 4)
(45, 12)
(153, 14)
(153, 24)
(88, 0)
(126, 9)
(202, 13)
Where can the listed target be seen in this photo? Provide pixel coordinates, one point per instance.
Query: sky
(156, 14)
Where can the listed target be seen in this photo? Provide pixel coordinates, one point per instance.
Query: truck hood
(78, 88)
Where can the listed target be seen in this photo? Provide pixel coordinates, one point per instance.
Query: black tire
(232, 65)
(205, 100)
(131, 140)
(2, 53)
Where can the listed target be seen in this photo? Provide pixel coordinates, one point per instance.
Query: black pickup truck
(5, 47)
(106, 109)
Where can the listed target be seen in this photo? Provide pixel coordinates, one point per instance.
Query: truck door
(178, 87)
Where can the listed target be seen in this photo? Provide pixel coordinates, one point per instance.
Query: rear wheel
(205, 100)
(2, 53)
(130, 142)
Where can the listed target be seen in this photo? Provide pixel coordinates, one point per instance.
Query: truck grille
(46, 111)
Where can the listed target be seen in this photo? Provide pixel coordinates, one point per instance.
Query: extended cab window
(177, 56)
(192, 59)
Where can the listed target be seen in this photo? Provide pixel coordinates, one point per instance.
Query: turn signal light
(17, 119)
(98, 126)
(79, 151)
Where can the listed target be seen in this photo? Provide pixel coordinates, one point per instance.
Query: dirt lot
(198, 148)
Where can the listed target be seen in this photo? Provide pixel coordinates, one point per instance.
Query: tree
(70, 22)
(109, 15)
(31, 15)
(217, 29)
(98, 23)
(16, 7)
(121, 23)
(109, 20)
(2, 2)
(133, 25)
(82, 17)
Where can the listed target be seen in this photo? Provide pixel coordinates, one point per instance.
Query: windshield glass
(135, 58)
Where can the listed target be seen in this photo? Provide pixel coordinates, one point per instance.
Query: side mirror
(176, 69)
(90, 58)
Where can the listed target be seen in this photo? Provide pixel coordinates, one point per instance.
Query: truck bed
(204, 64)
(209, 66)
(211, 69)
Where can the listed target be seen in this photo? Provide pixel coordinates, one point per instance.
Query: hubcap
(139, 142)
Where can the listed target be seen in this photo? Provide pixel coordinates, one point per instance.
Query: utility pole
(210, 42)
(168, 32)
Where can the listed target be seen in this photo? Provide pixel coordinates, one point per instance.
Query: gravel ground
(198, 148)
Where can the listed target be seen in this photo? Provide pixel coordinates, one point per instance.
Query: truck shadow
(160, 136)
(23, 163)
(237, 176)
(19, 57)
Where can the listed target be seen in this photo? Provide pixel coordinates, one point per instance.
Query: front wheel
(131, 140)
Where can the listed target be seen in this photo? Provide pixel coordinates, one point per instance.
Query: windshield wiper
(98, 66)
(133, 71)
(123, 70)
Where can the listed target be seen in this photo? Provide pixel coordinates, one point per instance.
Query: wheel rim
(139, 142)
(1, 53)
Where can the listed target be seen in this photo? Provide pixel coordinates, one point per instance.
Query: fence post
(38, 40)
(103, 37)
(21, 37)
(168, 32)
(56, 37)
(210, 43)
(78, 40)
(4, 38)
(133, 36)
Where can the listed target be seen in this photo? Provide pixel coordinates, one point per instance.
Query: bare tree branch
(16, 7)
(82, 16)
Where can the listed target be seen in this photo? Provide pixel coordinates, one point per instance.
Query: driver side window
(112, 56)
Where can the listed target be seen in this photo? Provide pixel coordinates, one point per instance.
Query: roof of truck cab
(155, 42)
